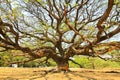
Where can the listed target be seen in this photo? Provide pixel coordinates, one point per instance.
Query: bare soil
(42, 74)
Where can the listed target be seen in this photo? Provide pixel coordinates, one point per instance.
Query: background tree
(58, 29)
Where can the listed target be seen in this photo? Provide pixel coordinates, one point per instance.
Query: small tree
(58, 29)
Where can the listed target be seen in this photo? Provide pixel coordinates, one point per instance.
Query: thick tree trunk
(62, 62)
(62, 65)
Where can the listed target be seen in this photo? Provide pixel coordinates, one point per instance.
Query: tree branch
(103, 18)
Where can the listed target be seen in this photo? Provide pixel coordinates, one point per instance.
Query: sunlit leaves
(26, 0)
(74, 5)
(9, 0)
(116, 1)
(33, 0)
(14, 14)
(63, 27)
(39, 0)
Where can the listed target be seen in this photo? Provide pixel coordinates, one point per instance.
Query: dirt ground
(74, 74)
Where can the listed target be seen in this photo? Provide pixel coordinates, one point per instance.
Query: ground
(42, 74)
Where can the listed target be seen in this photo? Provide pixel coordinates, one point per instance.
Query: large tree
(59, 29)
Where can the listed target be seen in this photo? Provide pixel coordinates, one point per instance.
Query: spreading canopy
(58, 29)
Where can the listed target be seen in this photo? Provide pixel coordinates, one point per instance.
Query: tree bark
(62, 64)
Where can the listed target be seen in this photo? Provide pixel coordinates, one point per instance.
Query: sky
(114, 38)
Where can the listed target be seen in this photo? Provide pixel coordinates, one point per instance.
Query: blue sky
(115, 38)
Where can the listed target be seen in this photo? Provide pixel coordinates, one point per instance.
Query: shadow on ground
(48, 74)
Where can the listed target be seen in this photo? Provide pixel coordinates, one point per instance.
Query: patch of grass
(94, 63)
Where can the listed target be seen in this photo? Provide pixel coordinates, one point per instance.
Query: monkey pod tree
(58, 29)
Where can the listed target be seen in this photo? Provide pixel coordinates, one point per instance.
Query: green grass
(97, 63)
(90, 63)
(94, 62)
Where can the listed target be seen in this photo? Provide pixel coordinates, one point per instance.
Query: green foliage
(39, 0)
(29, 0)
(1, 63)
(51, 63)
(106, 64)
(82, 60)
(5, 59)
(38, 63)
(116, 1)
(94, 62)
(31, 64)
(26, 0)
